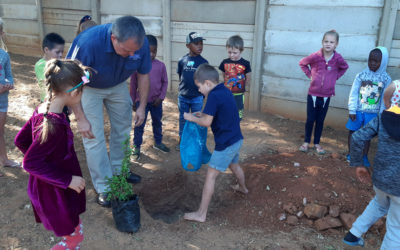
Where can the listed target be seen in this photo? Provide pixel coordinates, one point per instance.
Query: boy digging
(221, 114)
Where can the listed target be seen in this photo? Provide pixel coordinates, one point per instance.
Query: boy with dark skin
(158, 89)
(189, 99)
(365, 100)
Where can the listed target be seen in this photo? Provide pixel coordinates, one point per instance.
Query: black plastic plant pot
(126, 214)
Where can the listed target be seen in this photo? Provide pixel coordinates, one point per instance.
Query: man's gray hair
(128, 27)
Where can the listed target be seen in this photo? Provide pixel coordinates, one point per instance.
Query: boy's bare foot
(195, 216)
(238, 188)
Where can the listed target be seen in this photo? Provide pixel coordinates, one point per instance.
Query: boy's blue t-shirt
(226, 124)
(187, 65)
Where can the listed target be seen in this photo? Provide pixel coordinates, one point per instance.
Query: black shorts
(239, 100)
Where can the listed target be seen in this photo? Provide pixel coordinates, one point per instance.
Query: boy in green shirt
(53, 47)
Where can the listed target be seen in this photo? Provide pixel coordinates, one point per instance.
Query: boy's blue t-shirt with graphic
(226, 124)
(187, 65)
(366, 94)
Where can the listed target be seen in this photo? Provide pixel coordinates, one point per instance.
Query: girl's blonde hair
(2, 44)
(60, 75)
(332, 33)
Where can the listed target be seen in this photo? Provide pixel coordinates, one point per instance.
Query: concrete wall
(149, 12)
(217, 21)
(394, 62)
(21, 26)
(294, 30)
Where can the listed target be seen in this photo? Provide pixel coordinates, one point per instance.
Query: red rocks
(334, 211)
(310, 222)
(327, 222)
(290, 208)
(292, 220)
(347, 219)
(315, 211)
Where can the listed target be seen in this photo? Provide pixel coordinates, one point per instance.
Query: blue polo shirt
(94, 49)
(226, 123)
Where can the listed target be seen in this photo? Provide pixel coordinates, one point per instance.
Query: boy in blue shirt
(189, 99)
(222, 115)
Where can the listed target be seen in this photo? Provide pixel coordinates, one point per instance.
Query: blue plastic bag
(193, 147)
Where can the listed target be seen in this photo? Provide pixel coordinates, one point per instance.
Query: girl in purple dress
(56, 187)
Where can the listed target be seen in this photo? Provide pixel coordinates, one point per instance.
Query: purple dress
(50, 166)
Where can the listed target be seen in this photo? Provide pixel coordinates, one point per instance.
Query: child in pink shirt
(324, 68)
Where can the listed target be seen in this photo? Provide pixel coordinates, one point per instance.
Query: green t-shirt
(39, 71)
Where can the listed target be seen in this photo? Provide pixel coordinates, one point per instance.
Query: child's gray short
(220, 160)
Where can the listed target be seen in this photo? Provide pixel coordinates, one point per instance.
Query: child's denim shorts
(220, 160)
(362, 118)
(4, 102)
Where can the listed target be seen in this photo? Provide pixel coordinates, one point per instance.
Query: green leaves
(118, 186)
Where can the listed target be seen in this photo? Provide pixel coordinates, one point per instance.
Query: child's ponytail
(52, 67)
(47, 126)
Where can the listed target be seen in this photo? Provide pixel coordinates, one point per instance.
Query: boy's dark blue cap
(84, 19)
(194, 37)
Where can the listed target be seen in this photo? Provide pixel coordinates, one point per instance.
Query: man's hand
(77, 183)
(352, 117)
(187, 116)
(139, 116)
(363, 175)
(143, 87)
(84, 128)
(157, 102)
